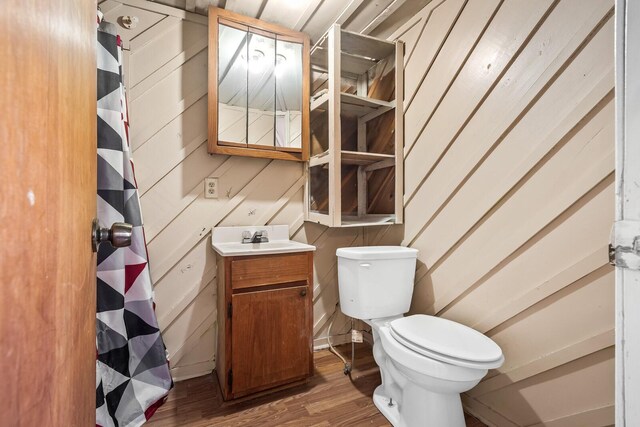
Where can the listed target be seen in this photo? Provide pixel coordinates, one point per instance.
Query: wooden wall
(509, 160)
(166, 69)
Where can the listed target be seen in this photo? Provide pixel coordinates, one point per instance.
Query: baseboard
(323, 342)
(181, 373)
(485, 414)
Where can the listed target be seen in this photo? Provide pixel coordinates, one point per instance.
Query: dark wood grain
(264, 270)
(267, 341)
(269, 335)
(329, 399)
(47, 203)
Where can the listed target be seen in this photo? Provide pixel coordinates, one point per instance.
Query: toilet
(425, 361)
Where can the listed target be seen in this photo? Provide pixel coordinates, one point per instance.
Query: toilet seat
(446, 341)
(425, 365)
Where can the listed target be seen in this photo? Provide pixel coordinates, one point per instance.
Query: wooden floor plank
(329, 399)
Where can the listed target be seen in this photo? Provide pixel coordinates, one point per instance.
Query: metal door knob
(119, 235)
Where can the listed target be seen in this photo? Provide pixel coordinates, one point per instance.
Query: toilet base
(390, 412)
(426, 409)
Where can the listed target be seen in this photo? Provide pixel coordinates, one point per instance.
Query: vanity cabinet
(265, 319)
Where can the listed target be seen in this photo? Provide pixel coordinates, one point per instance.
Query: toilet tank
(376, 281)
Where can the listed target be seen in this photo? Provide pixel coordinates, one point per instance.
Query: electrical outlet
(356, 336)
(211, 188)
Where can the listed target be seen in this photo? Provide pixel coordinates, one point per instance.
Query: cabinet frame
(367, 109)
(214, 146)
(287, 279)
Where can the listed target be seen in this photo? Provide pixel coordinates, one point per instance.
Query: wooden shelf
(319, 159)
(320, 101)
(364, 159)
(366, 46)
(355, 187)
(352, 65)
(357, 158)
(363, 106)
(358, 53)
(360, 106)
(367, 220)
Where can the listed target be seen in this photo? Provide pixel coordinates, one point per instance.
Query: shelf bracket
(624, 248)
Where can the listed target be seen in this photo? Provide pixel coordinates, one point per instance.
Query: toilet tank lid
(377, 252)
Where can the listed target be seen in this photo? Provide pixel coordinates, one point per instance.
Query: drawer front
(265, 270)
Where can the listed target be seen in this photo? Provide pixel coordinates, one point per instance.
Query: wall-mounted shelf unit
(355, 172)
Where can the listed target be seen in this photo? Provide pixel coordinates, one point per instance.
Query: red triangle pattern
(131, 273)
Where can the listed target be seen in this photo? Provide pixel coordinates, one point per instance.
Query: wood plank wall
(509, 196)
(166, 69)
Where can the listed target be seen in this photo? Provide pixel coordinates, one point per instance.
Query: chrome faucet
(258, 237)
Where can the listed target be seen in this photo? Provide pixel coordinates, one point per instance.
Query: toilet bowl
(425, 361)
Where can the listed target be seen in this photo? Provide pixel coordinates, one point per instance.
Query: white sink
(226, 241)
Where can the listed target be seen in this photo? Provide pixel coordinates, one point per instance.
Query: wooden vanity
(265, 322)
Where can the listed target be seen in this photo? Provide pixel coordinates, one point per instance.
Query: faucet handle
(264, 234)
(246, 234)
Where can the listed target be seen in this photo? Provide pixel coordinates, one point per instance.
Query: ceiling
(379, 18)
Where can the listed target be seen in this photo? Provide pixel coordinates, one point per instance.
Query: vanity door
(271, 341)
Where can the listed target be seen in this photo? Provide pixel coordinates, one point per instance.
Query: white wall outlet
(356, 336)
(211, 188)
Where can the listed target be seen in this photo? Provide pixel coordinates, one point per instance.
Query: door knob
(119, 235)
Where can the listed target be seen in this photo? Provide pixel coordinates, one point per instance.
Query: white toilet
(425, 361)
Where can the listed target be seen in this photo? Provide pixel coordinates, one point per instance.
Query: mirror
(262, 89)
(232, 85)
(258, 88)
(288, 72)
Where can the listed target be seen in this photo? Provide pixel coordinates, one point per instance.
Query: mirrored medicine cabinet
(258, 88)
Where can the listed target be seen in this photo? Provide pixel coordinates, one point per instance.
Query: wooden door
(270, 338)
(47, 203)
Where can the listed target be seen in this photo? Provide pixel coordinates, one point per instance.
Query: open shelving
(355, 172)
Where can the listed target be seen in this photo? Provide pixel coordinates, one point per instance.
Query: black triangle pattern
(107, 338)
(117, 359)
(107, 83)
(108, 298)
(99, 395)
(136, 326)
(104, 252)
(109, 42)
(152, 359)
(113, 198)
(142, 348)
(110, 178)
(113, 400)
(108, 137)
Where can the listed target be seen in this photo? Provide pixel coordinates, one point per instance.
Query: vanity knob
(303, 293)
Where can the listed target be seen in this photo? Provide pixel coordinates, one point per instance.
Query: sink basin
(240, 249)
(226, 241)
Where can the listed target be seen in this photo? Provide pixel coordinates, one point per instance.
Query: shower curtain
(132, 371)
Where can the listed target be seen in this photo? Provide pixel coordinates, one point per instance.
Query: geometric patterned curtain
(132, 371)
